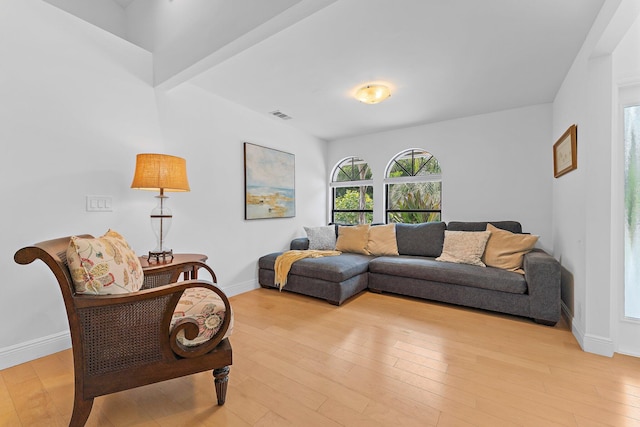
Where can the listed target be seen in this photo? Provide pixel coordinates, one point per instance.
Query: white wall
(76, 106)
(495, 166)
(65, 133)
(584, 227)
(210, 132)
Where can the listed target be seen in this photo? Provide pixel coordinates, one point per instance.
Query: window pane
(413, 217)
(414, 163)
(353, 199)
(431, 167)
(421, 190)
(412, 196)
(632, 212)
(352, 218)
(352, 169)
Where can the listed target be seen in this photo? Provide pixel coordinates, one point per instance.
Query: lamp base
(161, 257)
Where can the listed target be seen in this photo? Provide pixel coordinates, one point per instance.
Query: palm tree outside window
(413, 188)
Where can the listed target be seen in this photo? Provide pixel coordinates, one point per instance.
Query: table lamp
(164, 173)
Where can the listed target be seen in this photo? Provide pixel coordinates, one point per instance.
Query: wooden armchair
(124, 341)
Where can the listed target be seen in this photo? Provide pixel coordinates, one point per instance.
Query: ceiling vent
(281, 115)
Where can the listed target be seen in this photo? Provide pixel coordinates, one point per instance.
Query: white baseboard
(598, 345)
(30, 350)
(592, 343)
(240, 288)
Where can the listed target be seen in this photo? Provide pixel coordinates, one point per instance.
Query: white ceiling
(442, 58)
(124, 3)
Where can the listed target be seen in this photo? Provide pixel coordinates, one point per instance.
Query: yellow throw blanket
(285, 261)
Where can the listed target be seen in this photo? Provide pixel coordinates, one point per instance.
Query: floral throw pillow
(104, 265)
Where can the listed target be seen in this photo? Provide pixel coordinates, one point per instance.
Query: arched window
(413, 188)
(352, 192)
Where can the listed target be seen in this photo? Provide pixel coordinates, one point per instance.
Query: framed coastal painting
(565, 153)
(269, 183)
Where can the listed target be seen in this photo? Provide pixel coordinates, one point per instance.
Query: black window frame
(412, 176)
(353, 182)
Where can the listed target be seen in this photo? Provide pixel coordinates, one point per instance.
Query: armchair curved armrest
(162, 274)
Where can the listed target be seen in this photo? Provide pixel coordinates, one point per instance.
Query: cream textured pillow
(506, 250)
(464, 247)
(382, 240)
(104, 265)
(321, 238)
(353, 239)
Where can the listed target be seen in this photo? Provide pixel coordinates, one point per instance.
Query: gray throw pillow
(321, 238)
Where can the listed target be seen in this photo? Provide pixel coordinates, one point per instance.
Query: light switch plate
(99, 203)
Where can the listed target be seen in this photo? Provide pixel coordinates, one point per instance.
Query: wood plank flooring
(378, 360)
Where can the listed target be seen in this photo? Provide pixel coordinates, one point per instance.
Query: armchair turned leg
(81, 411)
(221, 376)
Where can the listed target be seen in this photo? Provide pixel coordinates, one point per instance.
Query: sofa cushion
(512, 226)
(382, 240)
(443, 272)
(321, 238)
(506, 250)
(332, 269)
(424, 239)
(464, 247)
(353, 239)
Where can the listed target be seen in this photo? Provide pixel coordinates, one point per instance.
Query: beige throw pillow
(382, 240)
(464, 247)
(353, 239)
(506, 250)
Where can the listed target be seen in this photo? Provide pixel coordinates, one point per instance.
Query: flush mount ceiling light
(373, 93)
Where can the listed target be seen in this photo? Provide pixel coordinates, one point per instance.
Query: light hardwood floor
(378, 360)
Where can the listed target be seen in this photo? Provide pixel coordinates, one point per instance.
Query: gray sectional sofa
(416, 273)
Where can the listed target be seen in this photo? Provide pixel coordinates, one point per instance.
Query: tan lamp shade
(160, 172)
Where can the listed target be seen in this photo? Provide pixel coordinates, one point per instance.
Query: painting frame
(269, 183)
(565, 152)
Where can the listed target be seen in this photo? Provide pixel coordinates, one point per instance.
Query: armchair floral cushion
(206, 308)
(104, 265)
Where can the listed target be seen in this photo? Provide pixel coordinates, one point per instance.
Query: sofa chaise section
(334, 279)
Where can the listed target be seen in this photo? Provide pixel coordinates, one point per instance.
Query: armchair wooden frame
(123, 341)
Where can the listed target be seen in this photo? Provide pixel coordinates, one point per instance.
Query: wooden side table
(189, 272)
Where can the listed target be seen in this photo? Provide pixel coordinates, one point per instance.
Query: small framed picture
(565, 153)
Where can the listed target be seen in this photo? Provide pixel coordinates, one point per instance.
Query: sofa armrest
(300, 244)
(542, 273)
